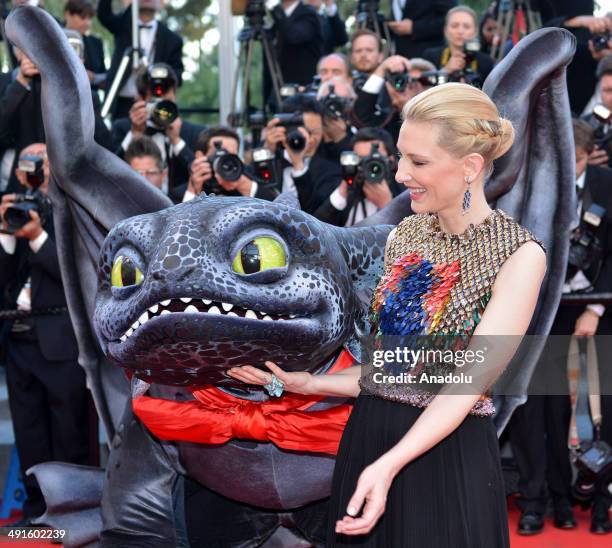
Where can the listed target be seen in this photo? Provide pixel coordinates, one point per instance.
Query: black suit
(178, 166)
(484, 63)
(371, 110)
(299, 45)
(334, 32)
(21, 122)
(94, 55)
(265, 191)
(539, 429)
(317, 183)
(168, 46)
(47, 393)
(428, 26)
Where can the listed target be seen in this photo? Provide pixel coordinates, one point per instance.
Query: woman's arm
(516, 289)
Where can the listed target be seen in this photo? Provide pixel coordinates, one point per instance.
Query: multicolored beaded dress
(434, 284)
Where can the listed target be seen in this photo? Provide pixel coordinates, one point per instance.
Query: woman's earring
(467, 196)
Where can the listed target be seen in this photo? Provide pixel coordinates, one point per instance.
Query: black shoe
(600, 521)
(564, 517)
(531, 523)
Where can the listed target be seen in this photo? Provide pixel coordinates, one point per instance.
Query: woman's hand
(372, 488)
(299, 382)
(455, 63)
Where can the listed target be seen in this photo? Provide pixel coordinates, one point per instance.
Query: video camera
(356, 171)
(17, 215)
(586, 252)
(161, 112)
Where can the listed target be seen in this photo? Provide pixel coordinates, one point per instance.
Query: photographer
(154, 113)
(417, 25)
(393, 83)
(334, 64)
(367, 186)
(539, 429)
(21, 116)
(77, 16)
(217, 169)
(46, 385)
(333, 28)
(144, 157)
(336, 97)
(158, 43)
(295, 143)
(600, 118)
(298, 36)
(461, 58)
(366, 55)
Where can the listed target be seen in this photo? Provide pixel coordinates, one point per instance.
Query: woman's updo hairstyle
(468, 121)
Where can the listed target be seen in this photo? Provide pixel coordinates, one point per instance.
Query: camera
(292, 121)
(601, 132)
(333, 105)
(161, 112)
(433, 78)
(593, 460)
(600, 41)
(17, 215)
(33, 167)
(586, 251)
(398, 80)
(229, 166)
(356, 171)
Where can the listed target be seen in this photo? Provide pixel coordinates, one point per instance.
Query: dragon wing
(91, 190)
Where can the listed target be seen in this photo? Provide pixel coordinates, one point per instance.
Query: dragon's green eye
(258, 255)
(125, 272)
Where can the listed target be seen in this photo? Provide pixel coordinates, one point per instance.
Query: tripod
(514, 17)
(253, 31)
(133, 54)
(369, 17)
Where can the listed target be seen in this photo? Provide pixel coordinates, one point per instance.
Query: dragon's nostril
(157, 275)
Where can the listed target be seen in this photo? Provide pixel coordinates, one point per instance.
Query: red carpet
(552, 537)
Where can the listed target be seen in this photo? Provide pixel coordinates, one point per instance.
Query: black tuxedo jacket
(427, 17)
(299, 43)
(54, 332)
(168, 44)
(598, 189)
(370, 110)
(21, 121)
(334, 32)
(94, 54)
(319, 181)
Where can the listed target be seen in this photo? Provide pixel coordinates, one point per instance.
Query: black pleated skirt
(451, 496)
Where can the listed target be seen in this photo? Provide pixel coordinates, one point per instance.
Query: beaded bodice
(437, 283)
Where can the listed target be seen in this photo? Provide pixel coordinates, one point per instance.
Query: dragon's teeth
(206, 301)
(129, 332)
(250, 314)
(153, 309)
(123, 338)
(144, 318)
(227, 307)
(191, 309)
(165, 303)
(292, 316)
(164, 312)
(186, 300)
(232, 314)
(135, 325)
(268, 318)
(214, 310)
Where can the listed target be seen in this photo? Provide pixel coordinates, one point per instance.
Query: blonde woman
(418, 468)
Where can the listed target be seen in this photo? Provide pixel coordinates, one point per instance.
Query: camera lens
(18, 215)
(164, 113)
(374, 171)
(295, 140)
(229, 167)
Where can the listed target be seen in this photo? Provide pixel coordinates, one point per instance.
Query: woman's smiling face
(433, 175)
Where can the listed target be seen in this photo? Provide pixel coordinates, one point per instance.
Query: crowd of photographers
(329, 137)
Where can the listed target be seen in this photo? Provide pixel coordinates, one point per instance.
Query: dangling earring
(467, 196)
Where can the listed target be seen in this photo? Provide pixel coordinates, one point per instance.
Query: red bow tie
(216, 417)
